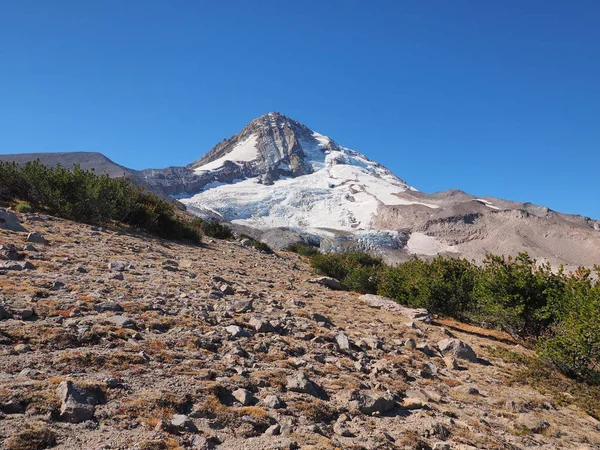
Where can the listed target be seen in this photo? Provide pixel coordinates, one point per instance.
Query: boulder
(261, 326)
(457, 348)
(244, 396)
(331, 283)
(108, 306)
(10, 222)
(236, 332)
(36, 238)
(181, 422)
(372, 402)
(342, 341)
(78, 403)
(17, 265)
(387, 304)
(272, 401)
(299, 382)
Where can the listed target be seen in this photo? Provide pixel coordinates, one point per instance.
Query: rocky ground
(110, 340)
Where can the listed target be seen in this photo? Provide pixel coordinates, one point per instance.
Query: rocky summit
(113, 340)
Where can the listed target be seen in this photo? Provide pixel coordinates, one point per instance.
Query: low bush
(558, 312)
(302, 249)
(23, 207)
(83, 196)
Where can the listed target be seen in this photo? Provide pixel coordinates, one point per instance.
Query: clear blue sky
(498, 98)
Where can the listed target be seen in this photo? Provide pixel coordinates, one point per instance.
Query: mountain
(281, 182)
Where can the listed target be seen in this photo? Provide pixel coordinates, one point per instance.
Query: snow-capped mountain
(282, 182)
(287, 175)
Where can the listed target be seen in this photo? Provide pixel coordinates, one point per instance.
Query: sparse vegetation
(35, 436)
(558, 311)
(83, 196)
(302, 249)
(23, 207)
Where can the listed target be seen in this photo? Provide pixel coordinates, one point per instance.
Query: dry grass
(35, 436)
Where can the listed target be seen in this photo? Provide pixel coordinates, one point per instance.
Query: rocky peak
(279, 142)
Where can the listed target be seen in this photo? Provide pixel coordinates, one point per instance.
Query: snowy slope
(342, 191)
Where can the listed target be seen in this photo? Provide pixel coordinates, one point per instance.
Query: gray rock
(36, 238)
(273, 430)
(467, 389)
(82, 269)
(17, 265)
(26, 314)
(108, 306)
(122, 321)
(410, 343)
(202, 443)
(243, 306)
(226, 289)
(372, 402)
(22, 348)
(261, 326)
(244, 396)
(78, 403)
(331, 283)
(299, 382)
(532, 423)
(237, 332)
(117, 276)
(457, 348)
(342, 341)
(321, 319)
(272, 401)
(3, 314)
(118, 266)
(12, 407)
(10, 222)
(30, 248)
(183, 423)
(387, 304)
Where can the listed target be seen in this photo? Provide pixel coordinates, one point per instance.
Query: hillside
(116, 340)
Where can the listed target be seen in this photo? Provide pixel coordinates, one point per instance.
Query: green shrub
(83, 196)
(574, 345)
(213, 229)
(302, 249)
(358, 270)
(23, 207)
(443, 286)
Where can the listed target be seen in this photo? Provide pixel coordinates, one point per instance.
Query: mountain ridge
(277, 174)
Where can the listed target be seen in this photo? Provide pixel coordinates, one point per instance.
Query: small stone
(342, 341)
(36, 238)
(532, 423)
(272, 401)
(82, 269)
(183, 422)
(301, 383)
(237, 332)
(117, 276)
(273, 430)
(331, 283)
(226, 289)
(457, 348)
(122, 321)
(118, 266)
(261, 326)
(321, 319)
(108, 306)
(244, 396)
(413, 403)
(410, 343)
(78, 403)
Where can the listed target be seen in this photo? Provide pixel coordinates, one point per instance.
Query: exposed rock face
(387, 304)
